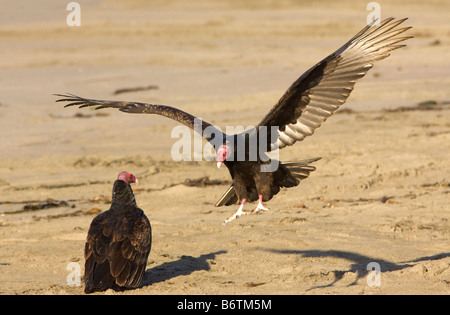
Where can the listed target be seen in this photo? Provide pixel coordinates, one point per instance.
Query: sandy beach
(380, 193)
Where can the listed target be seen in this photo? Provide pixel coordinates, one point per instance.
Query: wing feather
(308, 102)
(117, 252)
(144, 108)
(321, 90)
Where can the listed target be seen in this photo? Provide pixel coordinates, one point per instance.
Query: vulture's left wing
(319, 92)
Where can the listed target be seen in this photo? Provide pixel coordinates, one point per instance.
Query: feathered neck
(122, 194)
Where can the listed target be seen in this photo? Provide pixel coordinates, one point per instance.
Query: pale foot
(238, 213)
(260, 206)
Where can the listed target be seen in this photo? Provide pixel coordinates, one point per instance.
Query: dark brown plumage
(288, 174)
(308, 102)
(118, 242)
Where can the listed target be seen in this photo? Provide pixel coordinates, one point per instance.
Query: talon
(260, 206)
(238, 213)
(234, 217)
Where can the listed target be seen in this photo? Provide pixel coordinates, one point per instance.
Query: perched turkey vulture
(118, 242)
(307, 103)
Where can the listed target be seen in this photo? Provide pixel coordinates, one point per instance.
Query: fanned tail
(299, 170)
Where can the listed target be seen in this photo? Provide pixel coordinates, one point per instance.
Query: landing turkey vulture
(118, 242)
(307, 103)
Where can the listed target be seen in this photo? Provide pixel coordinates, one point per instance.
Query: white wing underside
(348, 64)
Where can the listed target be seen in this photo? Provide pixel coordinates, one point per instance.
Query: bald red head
(222, 154)
(127, 177)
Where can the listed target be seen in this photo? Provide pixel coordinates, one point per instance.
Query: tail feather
(299, 170)
(229, 198)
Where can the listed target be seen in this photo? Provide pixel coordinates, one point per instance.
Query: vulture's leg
(238, 213)
(260, 206)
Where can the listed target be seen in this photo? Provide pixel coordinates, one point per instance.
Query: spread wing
(205, 129)
(319, 92)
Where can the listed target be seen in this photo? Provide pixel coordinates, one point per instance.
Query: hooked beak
(133, 179)
(218, 164)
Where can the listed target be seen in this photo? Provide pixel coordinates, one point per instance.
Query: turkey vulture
(118, 242)
(306, 104)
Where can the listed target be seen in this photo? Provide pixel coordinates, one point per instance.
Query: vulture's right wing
(143, 108)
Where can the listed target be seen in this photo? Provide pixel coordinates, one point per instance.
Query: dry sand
(379, 194)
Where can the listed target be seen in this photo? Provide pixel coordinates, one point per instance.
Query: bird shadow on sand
(359, 263)
(184, 266)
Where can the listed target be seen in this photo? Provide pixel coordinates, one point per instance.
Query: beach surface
(380, 193)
